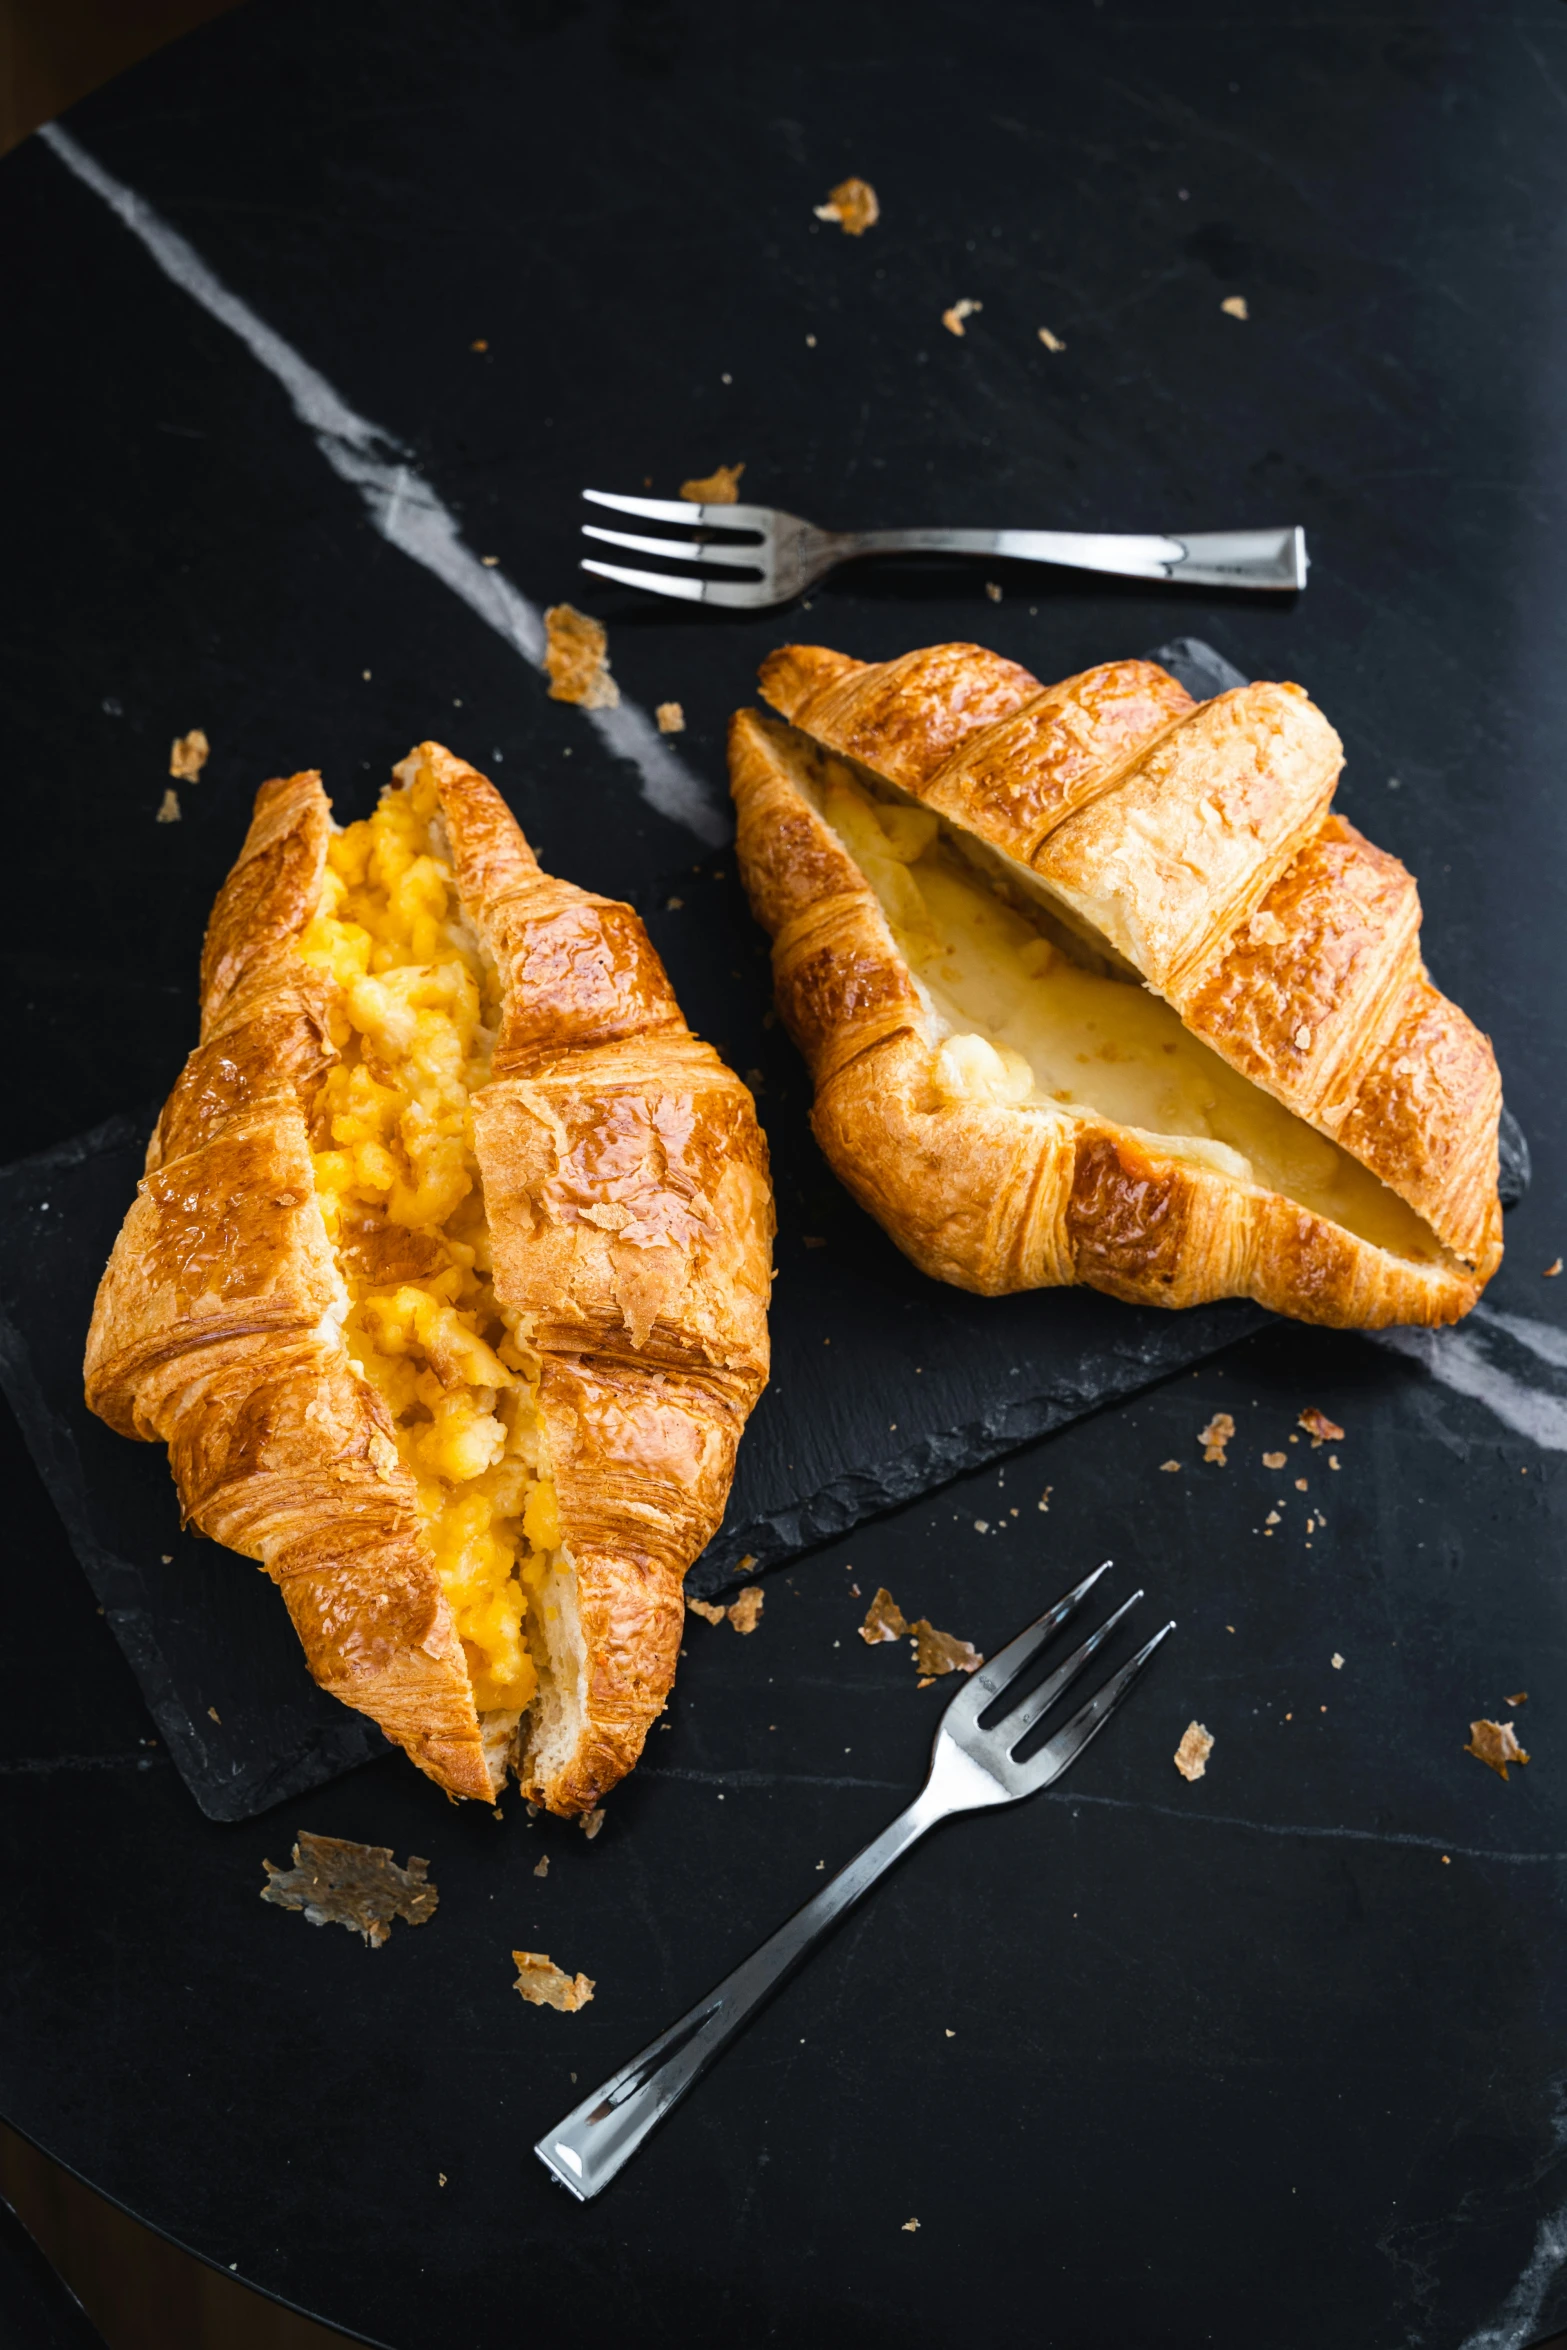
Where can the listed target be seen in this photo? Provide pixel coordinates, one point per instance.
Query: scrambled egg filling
(1021, 1022)
(400, 1191)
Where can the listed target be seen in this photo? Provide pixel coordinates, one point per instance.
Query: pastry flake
(1191, 1756)
(1320, 1428)
(1095, 986)
(1215, 1437)
(576, 656)
(941, 1652)
(852, 204)
(721, 487)
(446, 1286)
(188, 754)
(339, 1883)
(1496, 1745)
(883, 1620)
(543, 1984)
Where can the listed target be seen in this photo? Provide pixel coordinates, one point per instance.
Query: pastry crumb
(1274, 1460)
(213, 1715)
(721, 487)
(168, 807)
(1522, 1698)
(909, 2227)
(1320, 1428)
(1050, 341)
(1234, 306)
(541, 1867)
(745, 1612)
(188, 754)
(1215, 1437)
(1553, 1268)
(708, 1609)
(670, 717)
(953, 319)
(479, 343)
(1337, 1662)
(336, 1882)
(1044, 1499)
(590, 1822)
(883, 1620)
(1496, 1745)
(1191, 1756)
(993, 590)
(941, 1652)
(1170, 1468)
(1272, 1518)
(1301, 1485)
(853, 205)
(747, 1565)
(576, 655)
(544, 1984)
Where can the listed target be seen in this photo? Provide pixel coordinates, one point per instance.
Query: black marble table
(1274, 2058)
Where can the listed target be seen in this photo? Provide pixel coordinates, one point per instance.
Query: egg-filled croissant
(446, 1286)
(1095, 987)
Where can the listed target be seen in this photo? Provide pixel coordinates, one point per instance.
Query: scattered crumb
(1171, 1468)
(909, 2227)
(721, 487)
(1553, 1268)
(671, 718)
(982, 1525)
(188, 754)
(543, 1984)
(440, 2178)
(745, 1612)
(993, 590)
(953, 319)
(590, 1823)
(167, 1557)
(1234, 306)
(1215, 1437)
(852, 204)
(1274, 1460)
(576, 654)
(940, 1652)
(1044, 1499)
(1494, 1744)
(339, 1883)
(1332, 1460)
(883, 1620)
(479, 343)
(1522, 1698)
(1337, 1662)
(1050, 341)
(1191, 1756)
(1272, 1518)
(214, 1715)
(747, 1565)
(1301, 1485)
(1320, 1428)
(673, 905)
(708, 1609)
(168, 807)
(542, 1867)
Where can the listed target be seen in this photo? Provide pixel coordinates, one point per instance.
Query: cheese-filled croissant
(1095, 987)
(447, 1283)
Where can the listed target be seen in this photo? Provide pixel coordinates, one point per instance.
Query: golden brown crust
(997, 1196)
(626, 1180)
(1205, 851)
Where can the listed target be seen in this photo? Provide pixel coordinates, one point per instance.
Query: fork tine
(1069, 1741)
(985, 1686)
(1039, 1701)
(696, 550)
(651, 509)
(691, 591)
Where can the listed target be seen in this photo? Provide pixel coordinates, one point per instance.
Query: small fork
(791, 556)
(972, 1768)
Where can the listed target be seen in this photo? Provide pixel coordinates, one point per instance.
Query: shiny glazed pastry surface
(447, 1283)
(1096, 987)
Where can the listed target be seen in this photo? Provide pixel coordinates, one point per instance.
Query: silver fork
(971, 1769)
(790, 555)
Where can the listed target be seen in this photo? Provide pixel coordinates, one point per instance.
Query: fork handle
(1273, 559)
(599, 2136)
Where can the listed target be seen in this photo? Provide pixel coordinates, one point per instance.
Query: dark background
(1274, 2058)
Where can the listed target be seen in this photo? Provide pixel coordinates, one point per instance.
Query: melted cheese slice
(400, 1191)
(1019, 1020)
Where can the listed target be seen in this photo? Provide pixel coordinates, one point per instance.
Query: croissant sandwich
(447, 1283)
(1095, 987)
